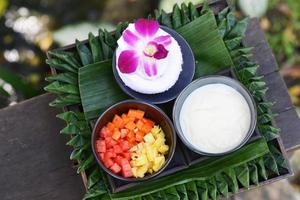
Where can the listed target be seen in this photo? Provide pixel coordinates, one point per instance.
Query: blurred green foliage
(282, 27)
(27, 31)
(3, 5)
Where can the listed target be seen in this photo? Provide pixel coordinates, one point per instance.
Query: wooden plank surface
(34, 158)
(262, 53)
(277, 93)
(288, 122)
(287, 119)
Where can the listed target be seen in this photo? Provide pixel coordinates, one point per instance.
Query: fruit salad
(132, 145)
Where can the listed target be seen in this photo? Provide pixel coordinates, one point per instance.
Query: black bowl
(152, 112)
(185, 77)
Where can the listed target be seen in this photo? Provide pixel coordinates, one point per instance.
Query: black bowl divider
(183, 157)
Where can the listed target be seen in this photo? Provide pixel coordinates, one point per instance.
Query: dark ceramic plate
(151, 112)
(185, 77)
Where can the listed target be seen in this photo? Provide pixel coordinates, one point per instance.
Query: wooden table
(35, 160)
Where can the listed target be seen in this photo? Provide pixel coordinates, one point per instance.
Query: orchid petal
(164, 40)
(130, 38)
(150, 67)
(128, 61)
(146, 27)
(161, 52)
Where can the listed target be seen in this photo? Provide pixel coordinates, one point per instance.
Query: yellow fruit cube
(149, 138)
(163, 149)
(133, 163)
(158, 163)
(142, 160)
(134, 148)
(159, 142)
(134, 171)
(140, 146)
(141, 171)
(151, 153)
(155, 130)
(134, 156)
(147, 156)
(160, 135)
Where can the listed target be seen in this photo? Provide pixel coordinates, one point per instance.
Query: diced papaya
(124, 132)
(111, 127)
(131, 113)
(130, 125)
(116, 134)
(118, 121)
(147, 128)
(139, 136)
(125, 118)
(139, 114)
(140, 124)
(148, 122)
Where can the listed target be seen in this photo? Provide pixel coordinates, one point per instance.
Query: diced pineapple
(142, 160)
(159, 142)
(163, 149)
(149, 138)
(144, 151)
(155, 130)
(140, 146)
(134, 156)
(141, 171)
(134, 171)
(150, 165)
(148, 156)
(158, 163)
(134, 148)
(160, 135)
(133, 163)
(151, 153)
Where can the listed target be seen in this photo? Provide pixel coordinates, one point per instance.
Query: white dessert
(168, 69)
(215, 118)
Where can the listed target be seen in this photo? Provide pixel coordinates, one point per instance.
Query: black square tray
(183, 156)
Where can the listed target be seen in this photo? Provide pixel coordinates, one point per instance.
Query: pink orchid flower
(145, 47)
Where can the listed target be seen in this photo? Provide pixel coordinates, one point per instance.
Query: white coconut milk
(215, 118)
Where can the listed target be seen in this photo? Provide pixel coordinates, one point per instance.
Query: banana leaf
(98, 88)
(17, 83)
(199, 171)
(208, 47)
(3, 92)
